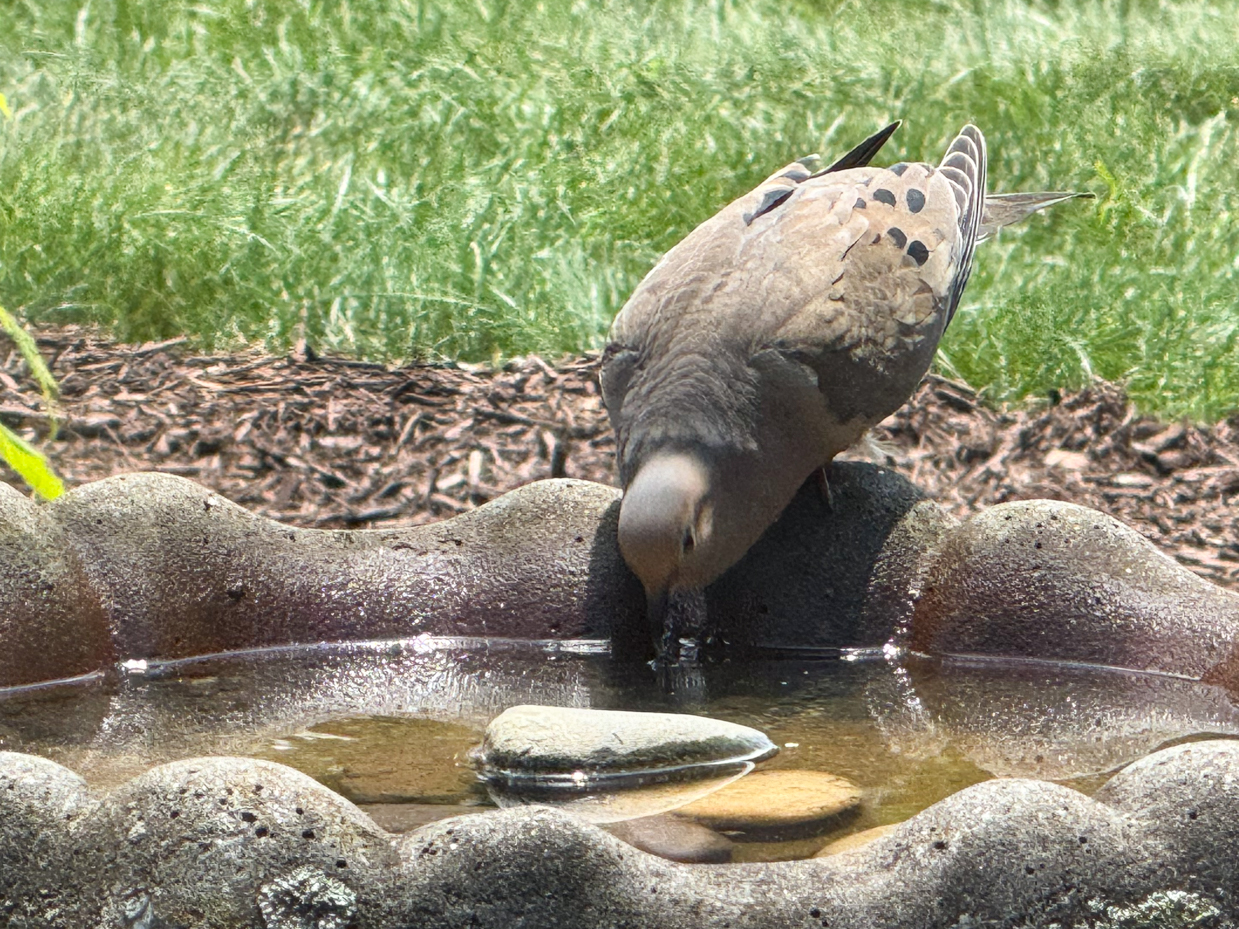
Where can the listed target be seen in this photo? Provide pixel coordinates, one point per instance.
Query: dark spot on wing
(876, 239)
(884, 195)
(897, 236)
(769, 201)
(860, 204)
(918, 252)
(916, 200)
(898, 169)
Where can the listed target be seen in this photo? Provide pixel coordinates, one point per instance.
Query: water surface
(389, 724)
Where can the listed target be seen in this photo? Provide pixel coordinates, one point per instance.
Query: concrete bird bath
(1040, 643)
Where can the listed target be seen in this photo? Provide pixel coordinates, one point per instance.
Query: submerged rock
(854, 841)
(676, 839)
(564, 746)
(772, 800)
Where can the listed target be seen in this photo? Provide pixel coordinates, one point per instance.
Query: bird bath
(1061, 647)
(389, 724)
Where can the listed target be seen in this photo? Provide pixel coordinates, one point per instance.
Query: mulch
(334, 443)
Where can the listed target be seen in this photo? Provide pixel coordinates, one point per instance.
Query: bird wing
(861, 264)
(870, 261)
(862, 154)
(636, 313)
(654, 307)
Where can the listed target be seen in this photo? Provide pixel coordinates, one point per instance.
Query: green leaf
(38, 368)
(30, 464)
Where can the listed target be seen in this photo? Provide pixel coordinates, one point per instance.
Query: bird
(770, 338)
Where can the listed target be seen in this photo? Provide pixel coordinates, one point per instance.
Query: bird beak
(656, 612)
(678, 618)
(678, 665)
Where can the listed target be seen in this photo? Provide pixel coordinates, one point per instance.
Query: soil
(333, 443)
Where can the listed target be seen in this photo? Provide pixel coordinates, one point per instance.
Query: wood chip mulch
(333, 443)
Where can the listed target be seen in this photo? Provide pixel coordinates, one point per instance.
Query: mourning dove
(773, 336)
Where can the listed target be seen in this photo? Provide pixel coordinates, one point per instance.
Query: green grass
(475, 178)
(22, 457)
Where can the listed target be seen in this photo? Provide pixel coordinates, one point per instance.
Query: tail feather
(1006, 209)
(965, 167)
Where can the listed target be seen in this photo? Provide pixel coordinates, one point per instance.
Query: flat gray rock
(551, 741)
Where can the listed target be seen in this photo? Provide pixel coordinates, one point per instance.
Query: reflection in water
(599, 803)
(1062, 721)
(109, 730)
(907, 730)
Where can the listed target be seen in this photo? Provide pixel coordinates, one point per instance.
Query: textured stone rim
(218, 842)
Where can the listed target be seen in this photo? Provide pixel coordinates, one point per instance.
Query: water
(390, 724)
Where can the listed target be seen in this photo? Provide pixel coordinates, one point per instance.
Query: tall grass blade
(30, 464)
(30, 354)
(34, 361)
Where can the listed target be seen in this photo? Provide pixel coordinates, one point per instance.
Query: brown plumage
(772, 337)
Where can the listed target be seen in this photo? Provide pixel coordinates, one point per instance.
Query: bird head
(666, 523)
